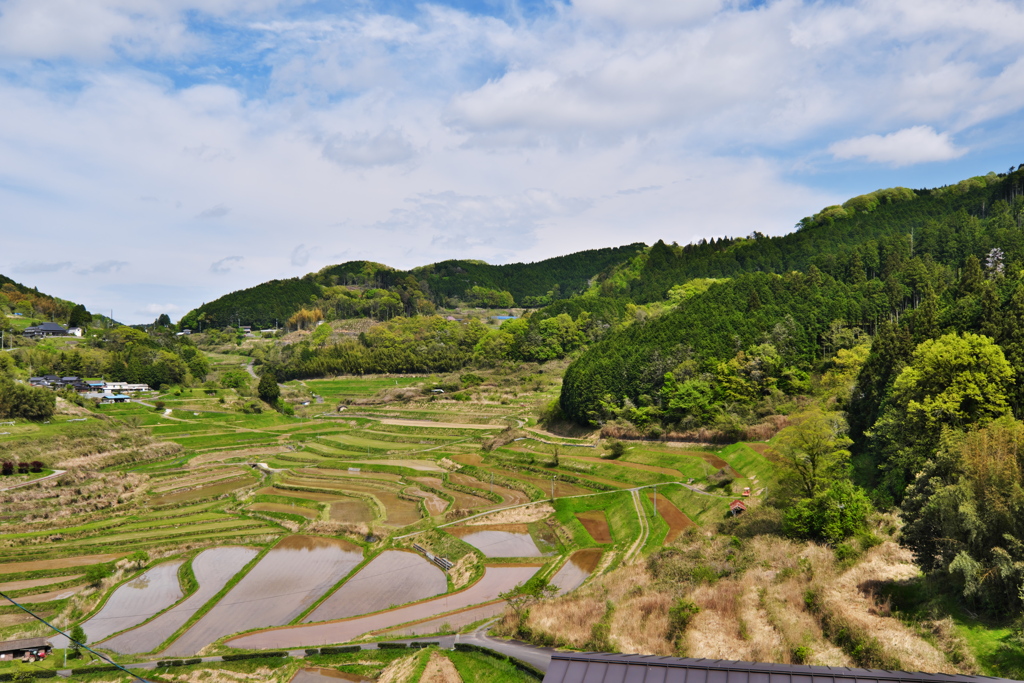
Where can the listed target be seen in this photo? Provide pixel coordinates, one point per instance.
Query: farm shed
(595, 667)
(16, 649)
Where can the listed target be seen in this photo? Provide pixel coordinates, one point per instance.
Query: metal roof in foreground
(599, 667)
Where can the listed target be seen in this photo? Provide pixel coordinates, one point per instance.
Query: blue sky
(155, 154)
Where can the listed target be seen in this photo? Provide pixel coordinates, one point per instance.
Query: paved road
(539, 657)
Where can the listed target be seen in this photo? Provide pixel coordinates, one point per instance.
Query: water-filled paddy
(136, 601)
(450, 622)
(286, 581)
(580, 565)
(495, 580)
(505, 540)
(213, 569)
(596, 524)
(394, 577)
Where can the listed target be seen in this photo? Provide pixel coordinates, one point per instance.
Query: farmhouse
(32, 648)
(46, 330)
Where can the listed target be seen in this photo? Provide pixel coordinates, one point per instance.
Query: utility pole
(492, 482)
(655, 500)
(552, 487)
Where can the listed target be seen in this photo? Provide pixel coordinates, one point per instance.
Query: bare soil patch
(440, 670)
(351, 510)
(35, 583)
(676, 519)
(59, 563)
(596, 524)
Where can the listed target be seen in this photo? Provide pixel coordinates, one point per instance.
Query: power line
(70, 639)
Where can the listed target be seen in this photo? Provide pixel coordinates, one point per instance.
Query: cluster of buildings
(108, 392)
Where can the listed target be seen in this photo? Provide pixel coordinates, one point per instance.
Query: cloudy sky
(155, 154)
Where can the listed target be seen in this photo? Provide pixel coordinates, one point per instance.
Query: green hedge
(344, 649)
(253, 655)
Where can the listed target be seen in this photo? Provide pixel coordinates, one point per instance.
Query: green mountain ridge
(358, 288)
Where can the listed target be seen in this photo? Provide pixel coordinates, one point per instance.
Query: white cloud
(914, 145)
(385, 148)
(225, 265)
(300, 255)
(440, 133)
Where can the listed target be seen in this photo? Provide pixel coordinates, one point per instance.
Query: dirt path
(634, 549)
(56, 473)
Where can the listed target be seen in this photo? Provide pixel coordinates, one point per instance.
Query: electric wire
(70, 639)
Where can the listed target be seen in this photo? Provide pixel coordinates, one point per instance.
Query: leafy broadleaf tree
(952, 382)
(813, 453)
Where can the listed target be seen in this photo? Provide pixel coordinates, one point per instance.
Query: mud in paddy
(574, 572)
(136, 601)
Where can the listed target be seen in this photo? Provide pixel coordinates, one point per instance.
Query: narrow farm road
(56, 473)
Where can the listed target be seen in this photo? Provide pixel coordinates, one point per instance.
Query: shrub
(680, 615)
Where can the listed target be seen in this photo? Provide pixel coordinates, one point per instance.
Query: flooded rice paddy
(500, 540)
(450, 622)
(394, 577)
(213, 569)
(596, 524)
(136, 601)
(495, 580)
(581, 564)
(291, 577)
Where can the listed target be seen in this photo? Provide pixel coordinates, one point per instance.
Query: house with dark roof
(45, 330)
(601, 667)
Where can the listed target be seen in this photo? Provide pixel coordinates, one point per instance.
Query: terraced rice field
(291, 577)
(562, 489)
(280, 507)
(504, 540)
(350, 510)
(450, 622)
(596, 524)
(59, 594)
(462, 500)
(677, 521)
(509, 496)
(136, 601)
(435, 504)
(581, 564)
(495, 580)
(394, 577)
(58, 563)
(319, 675)
(213, 569)
(203, 491)
(36, 583)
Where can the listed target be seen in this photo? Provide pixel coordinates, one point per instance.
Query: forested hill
(870, 225)
(17, 298)
(365, 288)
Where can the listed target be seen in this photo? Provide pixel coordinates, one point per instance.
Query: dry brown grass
(400, 670)
(440, 670)
(523, 515)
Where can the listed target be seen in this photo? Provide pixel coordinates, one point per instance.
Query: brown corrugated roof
(24, 644)
(597, 667)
